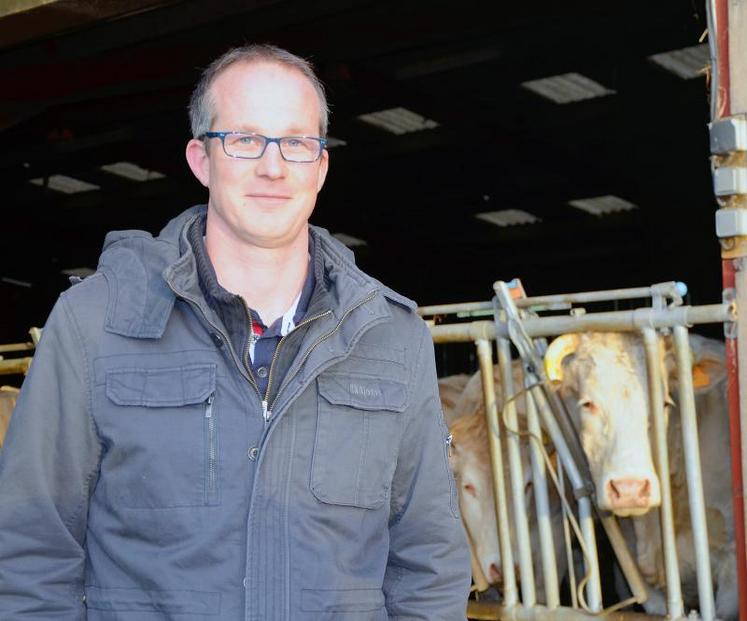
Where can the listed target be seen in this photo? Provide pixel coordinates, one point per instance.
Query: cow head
(469, 459)
(603, 380)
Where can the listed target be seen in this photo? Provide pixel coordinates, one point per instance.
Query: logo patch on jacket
(364, 392)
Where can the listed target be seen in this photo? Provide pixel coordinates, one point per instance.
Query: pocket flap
(363, 392)
(161, 387)
(163, 602)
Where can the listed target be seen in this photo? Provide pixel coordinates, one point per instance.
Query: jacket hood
(138, 268)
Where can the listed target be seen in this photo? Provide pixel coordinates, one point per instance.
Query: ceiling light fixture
(131, 171)
(398, 120)
(333, 142)
(602, 205)
(687, 63)
(567, 88)
(508, 217)
(64, 184)
(349, 240)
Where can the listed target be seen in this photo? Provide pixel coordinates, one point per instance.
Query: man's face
(264, 202)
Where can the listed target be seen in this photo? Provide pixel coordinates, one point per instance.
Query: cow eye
(588, 405)
(470, 489)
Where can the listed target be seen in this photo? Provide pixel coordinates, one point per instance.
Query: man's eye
(245, 140)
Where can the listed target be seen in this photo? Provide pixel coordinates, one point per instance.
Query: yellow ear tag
(701, 379)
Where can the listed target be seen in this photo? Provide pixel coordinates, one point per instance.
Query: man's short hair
(202, 106)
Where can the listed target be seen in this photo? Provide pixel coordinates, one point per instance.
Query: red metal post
(737, 489)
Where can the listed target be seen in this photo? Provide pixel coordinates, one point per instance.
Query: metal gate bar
(617, 321)
(521, 523)
(675, 607)
(693, 472)
(485, 356)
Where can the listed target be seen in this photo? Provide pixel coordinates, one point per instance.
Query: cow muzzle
(628, 496)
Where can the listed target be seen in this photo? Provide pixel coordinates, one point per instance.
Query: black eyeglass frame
(222, 135)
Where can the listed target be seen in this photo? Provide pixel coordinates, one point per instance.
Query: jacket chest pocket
(358, 433)
(162, 425)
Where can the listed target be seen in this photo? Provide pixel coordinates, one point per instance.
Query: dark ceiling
(92, 83)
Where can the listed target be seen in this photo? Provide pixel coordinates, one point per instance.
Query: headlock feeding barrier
(527, 530)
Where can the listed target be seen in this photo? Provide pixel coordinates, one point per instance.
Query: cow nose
(494, 574)
(629, 493)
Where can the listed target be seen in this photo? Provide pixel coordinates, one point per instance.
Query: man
(231, 421)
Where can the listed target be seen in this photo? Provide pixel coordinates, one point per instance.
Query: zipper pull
(209, 406)
(266, 414)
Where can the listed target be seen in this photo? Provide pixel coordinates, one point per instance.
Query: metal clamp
(728, 135)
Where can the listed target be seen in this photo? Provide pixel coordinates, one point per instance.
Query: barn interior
(562, 143)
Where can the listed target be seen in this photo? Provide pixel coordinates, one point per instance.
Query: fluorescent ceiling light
(64, 184)
(349, 240)
(333, 142)
(80, 272)
(508, 217)
(16, 282)
(446, 63)
(602, 205)
(131, 171)
(398, 120)
(687, 63)
(567, 88)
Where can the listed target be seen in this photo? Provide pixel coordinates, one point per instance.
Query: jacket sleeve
(48, 466)
(428, 571)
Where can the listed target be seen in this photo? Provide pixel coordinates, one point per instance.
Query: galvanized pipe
(671, 290)
(15, 366)
(521, 523)
(675, 606)
(542, 506)
(493, 611)
(617, 321)
(485, 357)
(585, 513)
(4, 349)
(628, 566)
(691, 445)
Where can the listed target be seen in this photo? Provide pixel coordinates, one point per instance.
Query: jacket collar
(145, 274)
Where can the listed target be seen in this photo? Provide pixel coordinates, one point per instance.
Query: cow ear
(708, 362)
(707, 372)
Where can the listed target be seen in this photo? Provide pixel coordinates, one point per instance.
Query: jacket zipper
(212, 451)
(266, 408)
(267, 411)
(321, 339)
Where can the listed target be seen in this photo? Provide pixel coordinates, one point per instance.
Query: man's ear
(323, 168)
(198, 160)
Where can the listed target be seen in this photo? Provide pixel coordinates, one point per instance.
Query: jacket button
(217, 339)
(245, 582)
(262, 372)
(253, 453)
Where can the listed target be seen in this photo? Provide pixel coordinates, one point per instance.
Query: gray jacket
(128, 491)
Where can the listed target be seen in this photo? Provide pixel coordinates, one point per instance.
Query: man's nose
(271, 164)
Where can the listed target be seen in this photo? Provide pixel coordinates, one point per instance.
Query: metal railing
(516, 321)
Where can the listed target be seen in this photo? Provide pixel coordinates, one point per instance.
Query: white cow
(603, 381)
(470, 461)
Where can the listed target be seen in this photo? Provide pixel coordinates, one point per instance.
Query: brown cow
(450, 389)
(470, 462)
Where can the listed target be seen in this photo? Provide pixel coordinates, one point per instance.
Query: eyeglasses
(250, 146)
